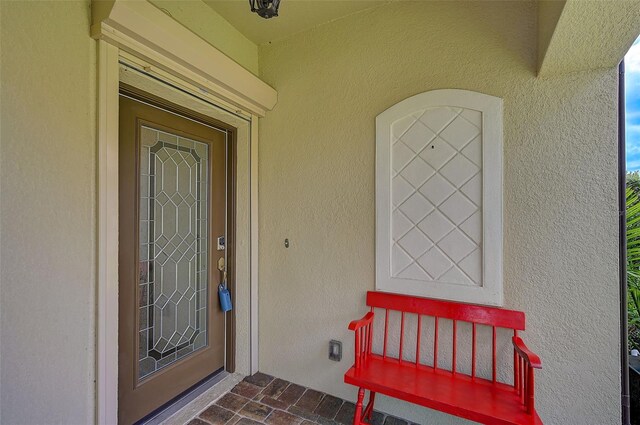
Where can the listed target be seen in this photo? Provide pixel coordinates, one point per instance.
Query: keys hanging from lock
(223, 292)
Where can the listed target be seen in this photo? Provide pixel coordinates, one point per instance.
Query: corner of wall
(549, 12)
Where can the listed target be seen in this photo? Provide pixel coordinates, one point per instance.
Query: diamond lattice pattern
(173, 248)
(436, 192)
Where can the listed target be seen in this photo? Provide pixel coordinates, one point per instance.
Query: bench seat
(476, 399)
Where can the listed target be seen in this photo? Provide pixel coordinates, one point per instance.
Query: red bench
(484, 400)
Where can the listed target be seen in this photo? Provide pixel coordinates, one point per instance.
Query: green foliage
(633, 257)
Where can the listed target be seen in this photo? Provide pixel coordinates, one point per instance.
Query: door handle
(222, 267)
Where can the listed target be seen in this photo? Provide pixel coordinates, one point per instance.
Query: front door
(171, 214)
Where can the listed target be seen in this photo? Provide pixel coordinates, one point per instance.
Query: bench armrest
(529, 356)
(524, 363)
(363, 336)
(357, 324)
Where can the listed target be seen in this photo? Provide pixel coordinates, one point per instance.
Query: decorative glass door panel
(173, 248)
(172, 205)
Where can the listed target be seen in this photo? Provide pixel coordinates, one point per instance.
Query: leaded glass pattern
(173, 280)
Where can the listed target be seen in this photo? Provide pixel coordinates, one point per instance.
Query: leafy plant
(633, 257)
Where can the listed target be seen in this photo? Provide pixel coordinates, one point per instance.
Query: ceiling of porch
(295, 16)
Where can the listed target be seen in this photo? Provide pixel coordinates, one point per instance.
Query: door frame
(108, 60)
(622, 257)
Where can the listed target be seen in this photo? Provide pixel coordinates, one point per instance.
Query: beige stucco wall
(549, 12)
(214, 29)
(47, 203)
(316, 171)
(47, 207)
(578, 34)
(317, 189)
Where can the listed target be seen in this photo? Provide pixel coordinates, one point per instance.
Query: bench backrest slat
(454, 346)
(435, 343)
(473, 351)
(386, 325)
(490, 316)
(418, 340)
(493, 355)
(401, 335)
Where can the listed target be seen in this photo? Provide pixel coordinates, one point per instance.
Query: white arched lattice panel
(439, 197)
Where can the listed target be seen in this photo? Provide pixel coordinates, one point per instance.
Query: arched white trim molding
(439, 197)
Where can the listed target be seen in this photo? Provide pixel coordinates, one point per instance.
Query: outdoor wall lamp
(265, 8)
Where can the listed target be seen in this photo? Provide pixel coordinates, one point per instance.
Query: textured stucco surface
(214, 29)
(47, 226)
(587, 35)
(317, 189)
(549, 12)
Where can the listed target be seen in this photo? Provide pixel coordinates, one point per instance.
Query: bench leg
(357, 417)
(369, 409)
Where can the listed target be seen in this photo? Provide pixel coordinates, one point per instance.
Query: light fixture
(265, 8)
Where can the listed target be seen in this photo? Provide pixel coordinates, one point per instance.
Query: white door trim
(233, 88)
(107, 291)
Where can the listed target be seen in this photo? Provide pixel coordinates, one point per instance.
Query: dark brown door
(172, 210)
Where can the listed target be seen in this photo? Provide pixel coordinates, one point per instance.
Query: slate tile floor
(263, 399)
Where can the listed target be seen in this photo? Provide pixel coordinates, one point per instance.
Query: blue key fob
(225, 298)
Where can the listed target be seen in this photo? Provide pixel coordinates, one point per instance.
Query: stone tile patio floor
(263, 399)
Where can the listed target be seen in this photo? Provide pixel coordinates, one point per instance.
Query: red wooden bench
(487, 401)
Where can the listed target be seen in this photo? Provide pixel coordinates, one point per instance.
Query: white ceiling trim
(145, 31)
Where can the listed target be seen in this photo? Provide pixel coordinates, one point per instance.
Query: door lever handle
(223, 269)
